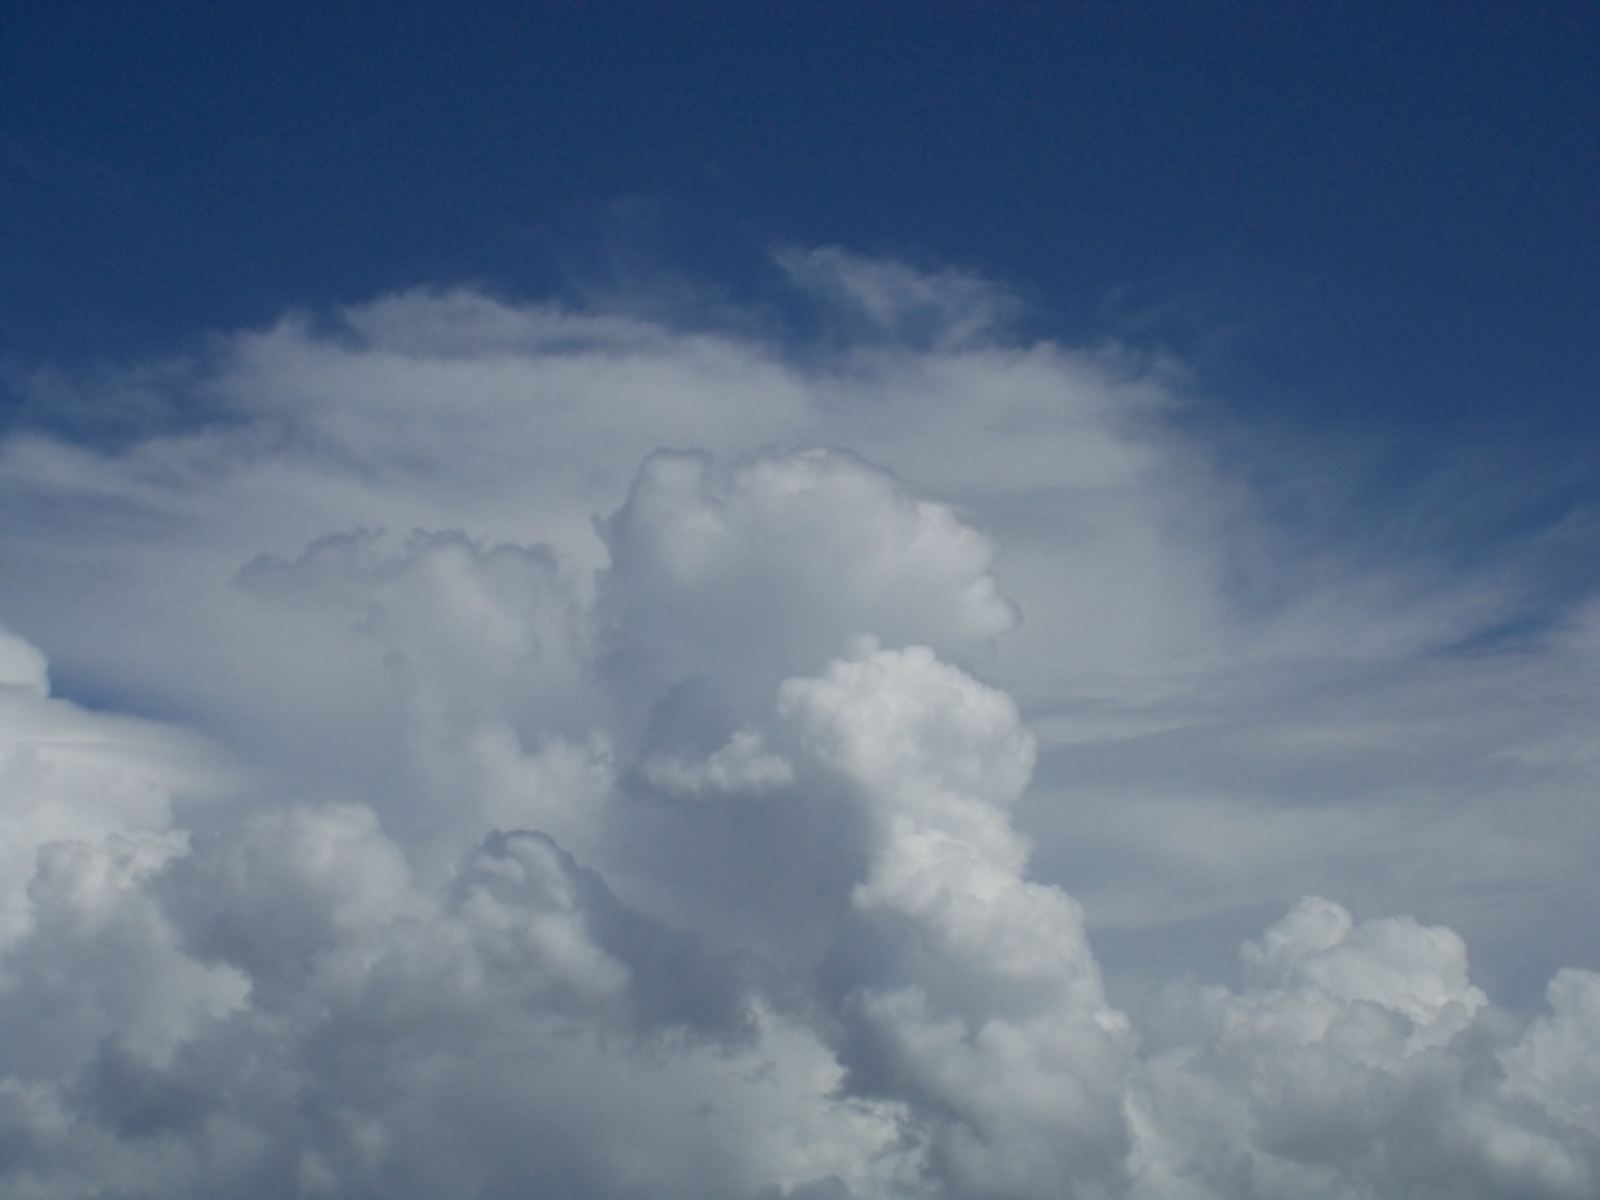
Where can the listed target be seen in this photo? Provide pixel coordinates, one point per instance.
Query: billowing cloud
(979, 998)
(506, 751)
(814, 545)
(1359, 1061)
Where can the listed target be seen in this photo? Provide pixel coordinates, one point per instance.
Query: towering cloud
(507, 752)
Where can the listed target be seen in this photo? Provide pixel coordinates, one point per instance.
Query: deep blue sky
(1364, 212)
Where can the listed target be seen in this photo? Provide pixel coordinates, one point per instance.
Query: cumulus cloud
(1360, 1061)
(740, 766)
(72, 777)
(981, 999)
(796, 556)
(509, 751)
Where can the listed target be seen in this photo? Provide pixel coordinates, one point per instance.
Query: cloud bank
(502, 751)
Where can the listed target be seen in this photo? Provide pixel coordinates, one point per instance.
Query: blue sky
(938, 602)
(1340, 211)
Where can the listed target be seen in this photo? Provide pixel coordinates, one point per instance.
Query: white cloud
(22, 666)
(984, 1004)
(782, 567)
(74, 778)
(1557, 1065)
(523, 752)
(874, 299)
(1359, 1062)
(740, 766)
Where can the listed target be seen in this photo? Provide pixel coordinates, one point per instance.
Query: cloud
(1360, 1061)
(740, 766)
(877, 300)
(72, 777)
(983, 1003)
(511, 751)
(815, 544)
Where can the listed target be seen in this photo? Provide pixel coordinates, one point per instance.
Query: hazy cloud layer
(509, 752)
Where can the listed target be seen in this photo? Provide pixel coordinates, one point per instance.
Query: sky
(956, 603)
